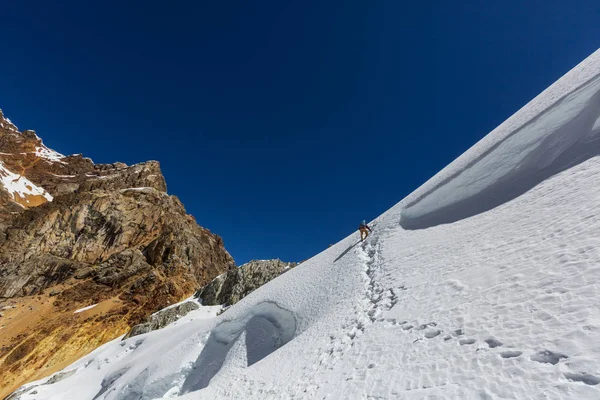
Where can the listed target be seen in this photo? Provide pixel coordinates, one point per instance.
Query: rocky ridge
(74, 234)
(163, 318)
(232, 286)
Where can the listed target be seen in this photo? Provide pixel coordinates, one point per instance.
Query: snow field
(502, 305)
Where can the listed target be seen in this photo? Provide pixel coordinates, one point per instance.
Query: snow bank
(563, 135)
(263, 330)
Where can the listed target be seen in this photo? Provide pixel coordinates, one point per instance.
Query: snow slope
(525, 151)
(447, 299)
(48, 154)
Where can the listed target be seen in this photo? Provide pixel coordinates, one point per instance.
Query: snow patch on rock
(84, 309)
(24, 192)
(49, 154)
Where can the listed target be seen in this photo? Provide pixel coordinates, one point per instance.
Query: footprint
(510, 354)
(458, 332)
(407, 327)
(463, 342)
(424, 326)
(547, 357)
(135, 345)
(584, 377)
(432, 333)
(493, 343)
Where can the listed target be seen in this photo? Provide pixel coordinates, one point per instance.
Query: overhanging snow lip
(570, 143)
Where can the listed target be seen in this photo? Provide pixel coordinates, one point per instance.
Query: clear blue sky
(281, 125)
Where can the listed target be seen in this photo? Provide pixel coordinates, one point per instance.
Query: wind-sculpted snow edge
(565, 135)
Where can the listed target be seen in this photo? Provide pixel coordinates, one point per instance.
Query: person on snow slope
(364, 230)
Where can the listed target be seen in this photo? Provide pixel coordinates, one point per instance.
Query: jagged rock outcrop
(163, 318)
(75, 234)
(107, 237)
(234, 285)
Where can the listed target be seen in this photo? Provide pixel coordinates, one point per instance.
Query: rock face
(74, 234)
(105, 237)
(234, 285)
(163, 318)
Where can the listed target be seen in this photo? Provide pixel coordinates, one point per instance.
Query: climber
(364, 230)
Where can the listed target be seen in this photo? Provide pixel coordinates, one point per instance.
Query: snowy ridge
(532, 140)
(48, 154)
(9, 124)
(44, 152)
(500, 305)
(20, 187)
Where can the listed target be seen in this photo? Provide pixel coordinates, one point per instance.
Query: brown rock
(232, 286)
(110, 236)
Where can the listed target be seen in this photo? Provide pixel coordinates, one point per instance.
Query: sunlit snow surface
(501, 304)
(84, 309)
(49, 154)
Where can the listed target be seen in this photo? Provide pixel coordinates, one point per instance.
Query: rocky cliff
(163, 318)
(232, 286)
(74, 234)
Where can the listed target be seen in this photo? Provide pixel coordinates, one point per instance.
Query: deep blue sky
(280, 124)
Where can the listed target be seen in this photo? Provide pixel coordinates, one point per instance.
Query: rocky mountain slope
(75, 234)
(163, 318)
(232, 286)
